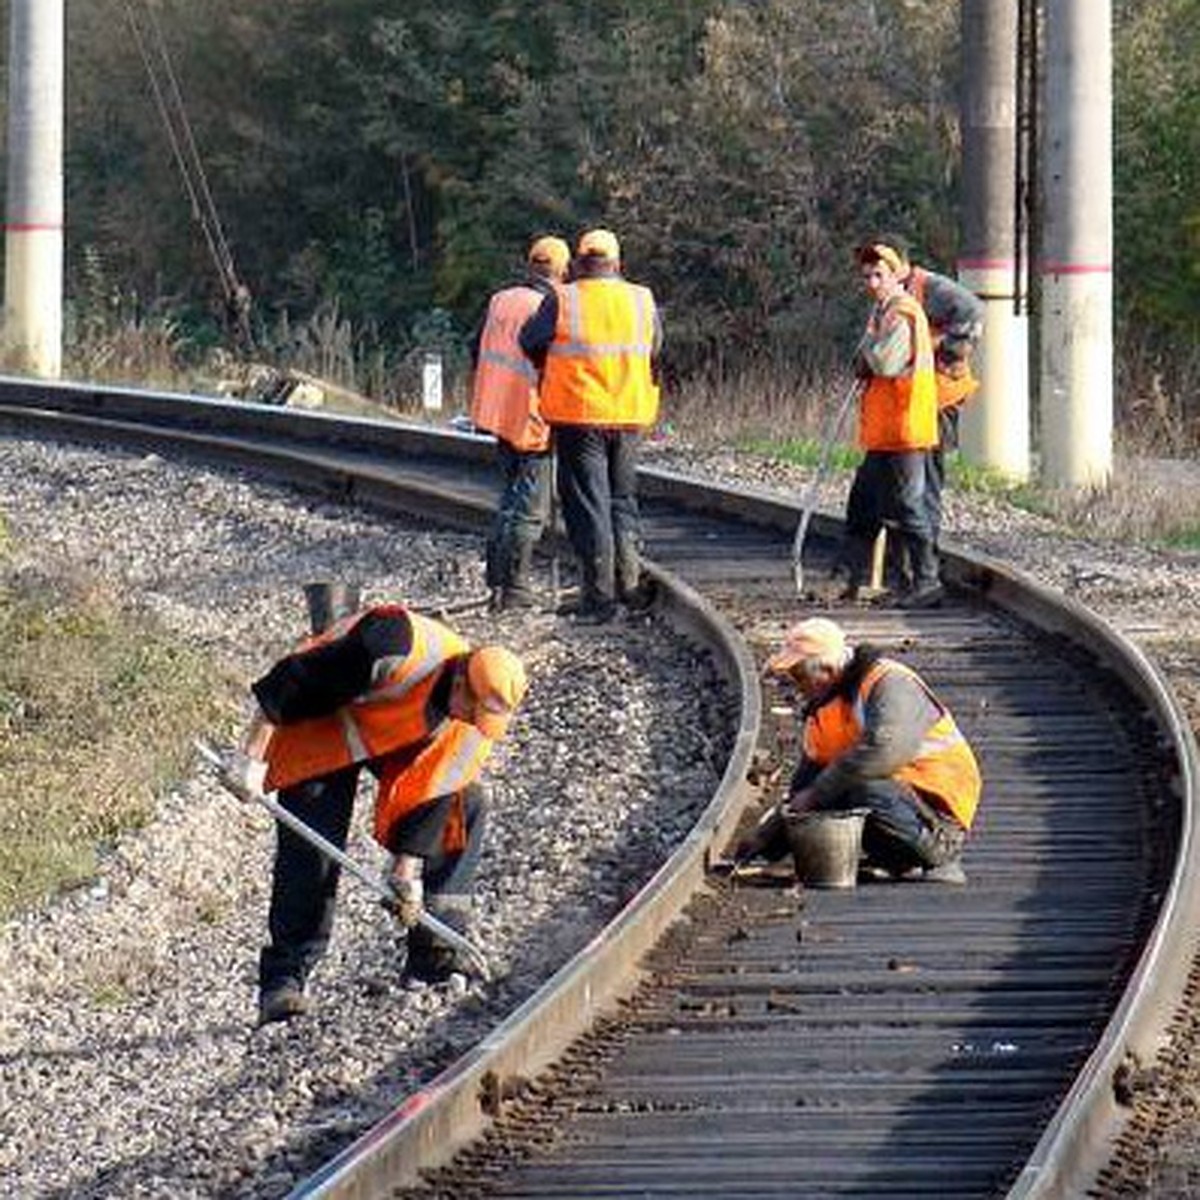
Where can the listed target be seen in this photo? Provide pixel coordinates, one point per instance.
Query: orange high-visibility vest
(452, 760)
(598, 365)
(951, 390)
(504, 395)
(944, 768)
(391, 714)
(900, 413)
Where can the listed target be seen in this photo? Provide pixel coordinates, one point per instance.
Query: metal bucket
(826, 847)
(329, 602)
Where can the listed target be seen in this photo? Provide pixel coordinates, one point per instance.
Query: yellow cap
(817, 638)
(602, 243)
(496, 677)
(551, 252)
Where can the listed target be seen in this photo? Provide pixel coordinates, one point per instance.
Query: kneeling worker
(407, 698)
(875, 737)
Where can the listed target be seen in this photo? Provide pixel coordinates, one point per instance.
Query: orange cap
(601, 243)
(551, 252)
(817, 638)
(496, 677)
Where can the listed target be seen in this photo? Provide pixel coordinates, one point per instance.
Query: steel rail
(1077, 1139)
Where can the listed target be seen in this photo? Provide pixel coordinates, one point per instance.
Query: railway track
(903, 1040)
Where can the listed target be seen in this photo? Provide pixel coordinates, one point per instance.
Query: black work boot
(281, 1002)
(517, 591)
(854, 566)
(927, 589)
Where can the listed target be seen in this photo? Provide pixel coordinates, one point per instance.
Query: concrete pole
(995, 424)
(1077, 343)
(33, 230)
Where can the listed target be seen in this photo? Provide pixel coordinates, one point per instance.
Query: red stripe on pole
(32, 227)
(1057, 268)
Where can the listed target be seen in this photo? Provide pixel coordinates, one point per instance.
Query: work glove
(245, 775)
(408, 890)
(797, 804)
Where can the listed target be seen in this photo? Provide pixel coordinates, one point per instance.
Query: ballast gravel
(129, 1061)
(130, 1065)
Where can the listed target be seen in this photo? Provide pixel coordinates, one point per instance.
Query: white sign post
(431, 383)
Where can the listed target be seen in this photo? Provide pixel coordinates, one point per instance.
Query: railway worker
(599, 338)
(874, 737)
(504, 402)
(405, 697)
(897, 429)
(955, 316)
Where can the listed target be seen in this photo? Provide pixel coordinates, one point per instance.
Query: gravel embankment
(129, 1065)
(129, 1061)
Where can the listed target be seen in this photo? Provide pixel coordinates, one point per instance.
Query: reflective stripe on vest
(900, 413)
(944, 767)
(391, 714)
(451, 761)
(504, 398)
(598, 365)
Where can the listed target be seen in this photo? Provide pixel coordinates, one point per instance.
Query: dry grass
(1153, 498)
(96, 708)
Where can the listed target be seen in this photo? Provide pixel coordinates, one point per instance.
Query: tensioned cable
(183, 145)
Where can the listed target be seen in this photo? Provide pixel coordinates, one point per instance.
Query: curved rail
(346, 457)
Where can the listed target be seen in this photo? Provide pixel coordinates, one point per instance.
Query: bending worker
(897, 429)
(875, 737)
(406, 697)
(504, 401)
(598, 337)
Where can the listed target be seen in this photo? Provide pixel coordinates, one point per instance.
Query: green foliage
(392, 160)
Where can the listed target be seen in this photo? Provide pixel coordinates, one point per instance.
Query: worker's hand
(798, 803)
(404, 877)
(245, 775)
(410, 900)
(953, 360)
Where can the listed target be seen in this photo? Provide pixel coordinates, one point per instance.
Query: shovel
(832, 434)
(386, 897)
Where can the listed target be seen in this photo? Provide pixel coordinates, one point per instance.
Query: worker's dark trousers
(890, 486)
(520, 516)
(935, 479)
(597, 478)
(305, 882)
(902, 829)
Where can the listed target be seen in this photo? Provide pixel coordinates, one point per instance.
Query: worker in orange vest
(407, 698)
(504, 402)
(955, 315)
(875, 737)
(897, 429)
(598, 339)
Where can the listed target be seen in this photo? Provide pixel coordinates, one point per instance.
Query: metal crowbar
(378, 886)
(832, 434)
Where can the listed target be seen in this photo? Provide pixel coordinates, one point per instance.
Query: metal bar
(810, 501)
(339, 856)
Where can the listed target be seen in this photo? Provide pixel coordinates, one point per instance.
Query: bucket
(329, 602)
(826, 847)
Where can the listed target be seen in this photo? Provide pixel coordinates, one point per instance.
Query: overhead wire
(168, 98)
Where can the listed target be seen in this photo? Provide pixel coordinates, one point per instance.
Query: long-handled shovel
(378, 886)
(832, 435)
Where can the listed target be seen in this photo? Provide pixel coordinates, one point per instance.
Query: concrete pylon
(1076, 401)
(33, 231)
(995, 423)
